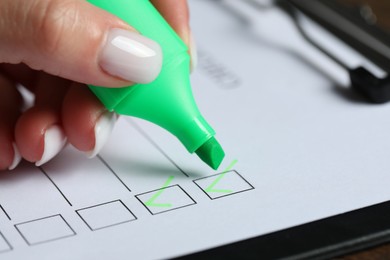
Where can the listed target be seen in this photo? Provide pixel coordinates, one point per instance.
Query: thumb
(77, 41)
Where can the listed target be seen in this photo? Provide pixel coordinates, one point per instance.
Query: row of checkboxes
(167, 198)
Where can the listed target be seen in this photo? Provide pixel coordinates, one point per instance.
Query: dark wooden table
(380, 8)
(377, 253)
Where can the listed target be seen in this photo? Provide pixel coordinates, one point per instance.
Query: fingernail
(131, 56)
(103, 129)
(17, 158)
(54, 141)
(193, 53)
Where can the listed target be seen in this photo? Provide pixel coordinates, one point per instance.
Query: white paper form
(297, 150)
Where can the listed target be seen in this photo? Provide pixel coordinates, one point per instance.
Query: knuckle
(53, 22)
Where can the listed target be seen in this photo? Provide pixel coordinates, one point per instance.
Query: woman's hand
(53, 48)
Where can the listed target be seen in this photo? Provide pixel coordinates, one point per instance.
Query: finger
(20, 73)
(39, 134)
(86, 122)
(176, 13)
(10, 102)
(75, 40)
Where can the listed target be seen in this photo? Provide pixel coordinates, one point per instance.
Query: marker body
(168, 100)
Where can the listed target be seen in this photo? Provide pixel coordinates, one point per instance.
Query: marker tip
(211, 153)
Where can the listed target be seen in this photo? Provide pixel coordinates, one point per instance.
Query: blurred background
(373, 11)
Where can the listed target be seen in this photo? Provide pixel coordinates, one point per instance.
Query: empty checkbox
(4, 245)
(44, 230)
(106, 215)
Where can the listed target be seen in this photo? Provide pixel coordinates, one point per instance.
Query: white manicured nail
(17, 158)
(54, 141)
(131, 56)
(103, 129)
(193, 53)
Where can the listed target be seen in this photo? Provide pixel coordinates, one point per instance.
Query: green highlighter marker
(168, 100)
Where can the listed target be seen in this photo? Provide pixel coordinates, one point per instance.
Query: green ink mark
(215, 182)
(150, 202)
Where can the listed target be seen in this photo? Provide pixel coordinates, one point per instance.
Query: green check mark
(151, 203)
(210, 188)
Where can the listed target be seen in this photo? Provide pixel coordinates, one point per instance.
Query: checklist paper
(298, 148)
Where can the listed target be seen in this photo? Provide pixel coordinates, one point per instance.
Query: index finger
(176, 14)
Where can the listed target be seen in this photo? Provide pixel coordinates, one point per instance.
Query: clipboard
(323, 239)
(340, 234)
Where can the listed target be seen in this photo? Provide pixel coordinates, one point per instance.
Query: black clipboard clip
(374, 89)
